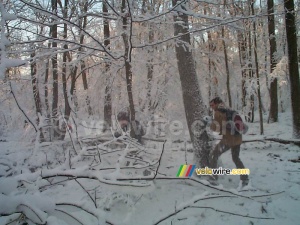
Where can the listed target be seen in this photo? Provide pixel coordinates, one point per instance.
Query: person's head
(214, 103)
(123, 119)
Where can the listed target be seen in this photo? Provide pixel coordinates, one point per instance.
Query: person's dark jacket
(137, 130)
(228, 138)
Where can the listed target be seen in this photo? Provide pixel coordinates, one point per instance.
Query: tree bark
(36, 93)
(226, 66)
(108, 87)
(243, 57)
(192, 100)
(83, 25)
(291, 36)
(127, 59)
(250, 67)
(46, 93)
(64, 77)
(150, 71)
(54, 74)
(257, 74)
(273, 117)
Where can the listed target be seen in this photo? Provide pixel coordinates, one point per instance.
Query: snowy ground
(29, 184)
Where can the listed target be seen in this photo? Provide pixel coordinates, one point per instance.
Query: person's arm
(216, 124)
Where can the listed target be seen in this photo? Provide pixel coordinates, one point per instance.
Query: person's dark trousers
(235, 153)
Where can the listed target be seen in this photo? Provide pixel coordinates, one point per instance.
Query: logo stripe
(192, 170)
(179, 171)
(188, 170)
(183, 170)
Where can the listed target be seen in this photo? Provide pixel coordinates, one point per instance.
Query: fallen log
(279, 140)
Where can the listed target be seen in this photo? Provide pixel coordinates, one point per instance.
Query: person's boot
(245, 183)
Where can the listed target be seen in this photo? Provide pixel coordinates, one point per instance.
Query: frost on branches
(4, 61)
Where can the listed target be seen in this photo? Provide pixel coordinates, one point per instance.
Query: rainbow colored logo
(186, 170)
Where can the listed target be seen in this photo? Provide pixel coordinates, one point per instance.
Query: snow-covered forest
(70, 68)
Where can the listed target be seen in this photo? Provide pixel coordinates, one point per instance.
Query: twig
(66, 124)
(232, 213)
(72, 24)
(138, 199)
(77, 206)
(160, 15)
(12, 92)
(266, 195)
(51, 184)
(128, 167)
(33, 212)
(59, 210)
(16, 219)
(188, 206)
(190, 179)
(163, 148)
(112, 8)
(86, 192)
(80, 207)
(281, 141)
(158, 172)
(94, 177)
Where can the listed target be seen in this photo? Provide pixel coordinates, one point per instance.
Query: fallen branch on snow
(207, 207)
(279, 140)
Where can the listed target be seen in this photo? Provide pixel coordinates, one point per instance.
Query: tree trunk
(193, 103)
(64, 77)
(127, 58)
(242, 43)
(250, 67)
(291, 36)
(242, 46)
(54, 74)
(212, 81)
(83, 25)
(46, 93)
(108, 87)
(36, 93)
(149, 104)
(226, 66)
(257, 74)
(273, 117)
(150, 71)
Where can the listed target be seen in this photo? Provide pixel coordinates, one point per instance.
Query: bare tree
(273, 117)
(250, 65)
(127, 57)
(64, 74)
(257, 74)
(82, 26)
(192, 100)
(108, 87)
(36, 93)
(291, 34)
(54, 73)
(226, 61)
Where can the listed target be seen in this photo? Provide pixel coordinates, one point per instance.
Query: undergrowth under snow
(110, 182)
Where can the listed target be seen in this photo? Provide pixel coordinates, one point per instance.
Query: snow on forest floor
(29, 183)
